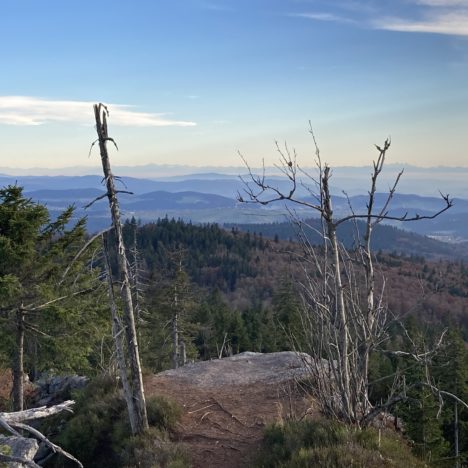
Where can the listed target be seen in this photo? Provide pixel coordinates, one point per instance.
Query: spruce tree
(42, 320)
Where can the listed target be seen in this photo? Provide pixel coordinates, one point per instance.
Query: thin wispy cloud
(455, 24)
(323, 17)
(443, 3)
(448, 17)
(27, 110)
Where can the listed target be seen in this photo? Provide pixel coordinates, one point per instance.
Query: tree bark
(18, 365)
(341, 315)
(117, 335)
(141, 417)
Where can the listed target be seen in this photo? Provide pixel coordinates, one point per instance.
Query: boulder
(51, 390)
(19, 447)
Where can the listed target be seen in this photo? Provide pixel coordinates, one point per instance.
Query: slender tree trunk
(175, 340)
(117, 335)
(341, 316)
(368, 318)
(126, 293)
(455, 424)
(135, 276)
(18, 364)
(183, 353)
(175, 331)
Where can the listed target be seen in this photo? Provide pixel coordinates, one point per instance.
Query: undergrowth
(331, 444)
(98, 434)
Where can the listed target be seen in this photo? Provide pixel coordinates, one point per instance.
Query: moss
(5, 450)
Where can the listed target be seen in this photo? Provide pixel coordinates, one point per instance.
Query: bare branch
(91, 203)
(47, 442)
(82, 250)
(33, 308)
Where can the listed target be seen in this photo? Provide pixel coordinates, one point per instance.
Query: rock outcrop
(18, 447)
(244, 369)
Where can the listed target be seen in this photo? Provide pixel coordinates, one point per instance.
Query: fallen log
(12, 421)
(36, 413)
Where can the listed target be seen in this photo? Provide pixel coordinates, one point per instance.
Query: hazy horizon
(168, 170)
(352, 179)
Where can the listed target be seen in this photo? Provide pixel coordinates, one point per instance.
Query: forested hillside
(250, 270)
(203, 292)
(387, 238)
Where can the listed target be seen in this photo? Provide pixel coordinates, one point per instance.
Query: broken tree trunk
(117, 334)
(140, 416)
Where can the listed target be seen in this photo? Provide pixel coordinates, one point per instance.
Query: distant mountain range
(354, 180)
(211, 197)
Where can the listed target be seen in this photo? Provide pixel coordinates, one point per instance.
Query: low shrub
(153, 450)
(327, 443)
(162, 412)
(98, 434)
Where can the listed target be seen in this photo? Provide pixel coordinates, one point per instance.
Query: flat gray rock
(244, 369)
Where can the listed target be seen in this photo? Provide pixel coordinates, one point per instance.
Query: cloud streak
(449, 17)
(33, 111)
(454, 24)
(323, 17)
(443, 3)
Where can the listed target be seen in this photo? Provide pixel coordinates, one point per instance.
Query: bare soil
(227, 403)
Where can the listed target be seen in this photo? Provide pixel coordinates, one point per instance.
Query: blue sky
(194, 81)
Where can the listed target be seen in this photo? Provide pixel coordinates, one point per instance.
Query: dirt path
(227, 404)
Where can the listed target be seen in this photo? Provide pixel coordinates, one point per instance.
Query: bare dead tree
(178, 298)
(139, 415)
(137, 276)
(343, 322)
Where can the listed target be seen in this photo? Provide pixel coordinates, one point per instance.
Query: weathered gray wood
(140, 415)
(36, 413)
(12, 421)
(117, 334)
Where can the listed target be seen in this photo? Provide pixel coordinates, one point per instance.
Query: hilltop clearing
(228, 402)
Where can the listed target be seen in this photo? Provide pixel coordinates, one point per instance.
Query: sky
(194, 82)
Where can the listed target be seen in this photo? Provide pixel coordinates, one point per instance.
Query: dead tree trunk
(175, 331)
(341, 312)
(141, 419)
(18, 368)
(182, 353)
(117, 335)
(135, 274)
